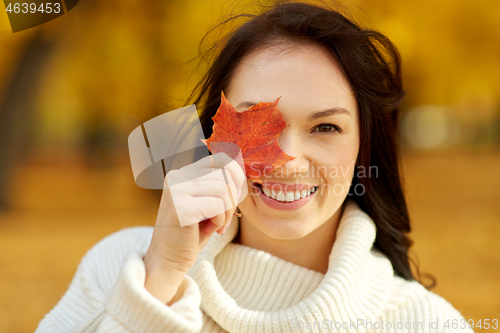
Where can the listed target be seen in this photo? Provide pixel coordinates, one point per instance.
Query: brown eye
(326, 128)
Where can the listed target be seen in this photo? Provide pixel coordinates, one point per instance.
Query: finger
(234, 200)
(207, 185)
(237, 174)
(210, 162)
(219, 175)
(196, 209)
(214, 188)
(208, 227)
(220, 161)
(176, 177)
(207, 174)
(209, 208)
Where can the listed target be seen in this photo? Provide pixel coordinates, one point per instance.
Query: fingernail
(224, 231)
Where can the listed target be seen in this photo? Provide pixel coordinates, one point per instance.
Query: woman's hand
(197, 200)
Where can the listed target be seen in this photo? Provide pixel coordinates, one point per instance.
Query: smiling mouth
(287, 196)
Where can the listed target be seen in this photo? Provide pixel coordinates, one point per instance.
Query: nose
(292, 144)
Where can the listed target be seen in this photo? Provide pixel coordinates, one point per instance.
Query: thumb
(207, 227)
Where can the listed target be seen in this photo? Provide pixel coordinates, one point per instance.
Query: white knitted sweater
(235, 288)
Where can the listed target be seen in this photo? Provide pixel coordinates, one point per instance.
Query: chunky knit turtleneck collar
(246, 290)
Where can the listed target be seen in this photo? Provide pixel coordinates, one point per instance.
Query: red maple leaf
(255, 132)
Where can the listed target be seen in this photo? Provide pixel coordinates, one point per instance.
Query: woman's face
(322, 133)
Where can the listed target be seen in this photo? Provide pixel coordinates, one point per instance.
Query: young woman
(321, 243)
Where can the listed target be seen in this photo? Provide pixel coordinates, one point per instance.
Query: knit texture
(236, 288)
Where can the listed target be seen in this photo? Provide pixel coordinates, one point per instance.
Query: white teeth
(288, 196)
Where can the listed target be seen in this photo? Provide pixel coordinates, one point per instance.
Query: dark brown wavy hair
(372, 66)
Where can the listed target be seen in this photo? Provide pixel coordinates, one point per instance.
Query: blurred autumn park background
(72, 90)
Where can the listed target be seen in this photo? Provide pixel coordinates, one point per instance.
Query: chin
(284, 229)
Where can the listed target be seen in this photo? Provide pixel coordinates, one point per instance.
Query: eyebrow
(312, 116)
(326, 113)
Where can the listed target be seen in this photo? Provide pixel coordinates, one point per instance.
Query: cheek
(338, 165)
(338, 149)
